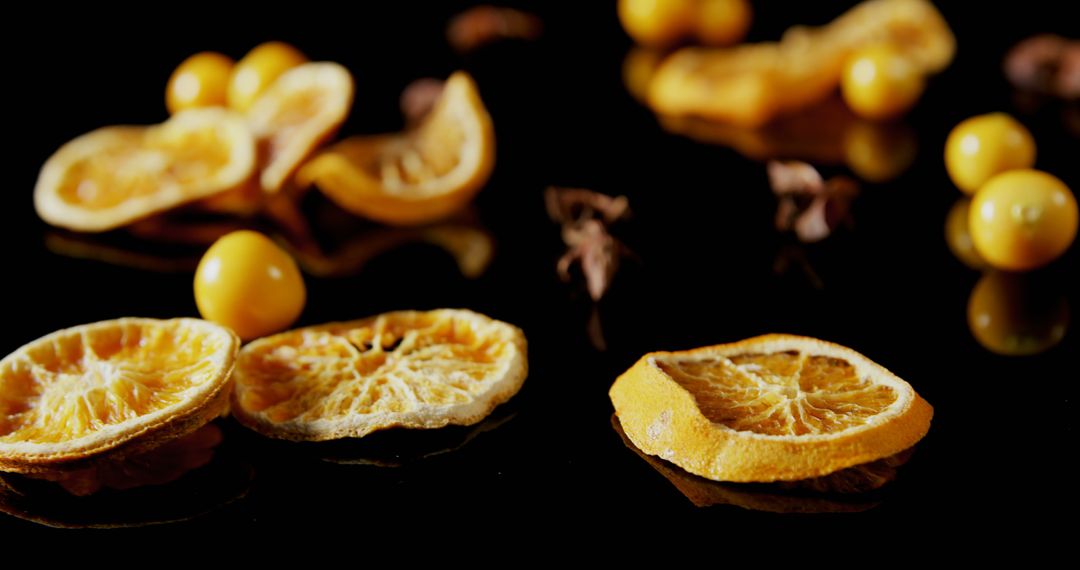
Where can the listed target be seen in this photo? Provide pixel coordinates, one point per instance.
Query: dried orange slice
(751, 84)
(121, 386)
(401, 369)
(300, 110)
(770, 408)
(116, 175)
(417, 176)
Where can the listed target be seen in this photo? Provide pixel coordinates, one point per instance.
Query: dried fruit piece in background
(753, 84)
(1045, 64)
(417, 176)
(482, 25)
(809, 205)
(116, 175)
(299, 111)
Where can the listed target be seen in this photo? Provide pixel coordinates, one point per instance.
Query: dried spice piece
(809, 205)
(1046, 64)
(585, 216)
(569, 205)
(598, 252)
(482, 25)
(419, 98)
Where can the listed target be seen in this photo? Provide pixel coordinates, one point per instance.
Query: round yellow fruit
(983, 146)
(258, 69)
(1022, 219)
(199, 81)
(656, 22)
(879, 82)
(249, 284)
(723, 22)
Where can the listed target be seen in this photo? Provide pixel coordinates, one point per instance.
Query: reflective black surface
(708, 268)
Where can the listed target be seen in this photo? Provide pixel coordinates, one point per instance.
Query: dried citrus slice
(417, 176)
(752, 84)
(770, 408)
(300, 110)
(116, 175)
(401, 369)
(136, 383)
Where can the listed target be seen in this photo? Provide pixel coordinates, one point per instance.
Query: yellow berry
(199, 81)
(249, 284)
(1022, 219)
(879, 82)
(983, 146)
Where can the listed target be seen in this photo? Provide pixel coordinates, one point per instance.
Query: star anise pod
(570, 205)
(809, 205)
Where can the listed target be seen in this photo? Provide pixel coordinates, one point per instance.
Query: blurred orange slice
(402, 369)
(420, 175)
(770, 408)
(301, 109)
(87, 390)
(116, 175)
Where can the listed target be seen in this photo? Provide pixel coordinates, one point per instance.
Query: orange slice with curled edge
(110, 389)
(418, 176)
(301, 109)
(116, 175)
(401, 369)
(770, 408)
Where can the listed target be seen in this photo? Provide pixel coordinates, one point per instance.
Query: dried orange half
(420, 175)
(401, 369)
(769, 408)
(122, 385)
(116, 175)
(301, 109)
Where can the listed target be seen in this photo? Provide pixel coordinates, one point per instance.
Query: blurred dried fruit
(482, 25)
(753, 84)
(1045, 64)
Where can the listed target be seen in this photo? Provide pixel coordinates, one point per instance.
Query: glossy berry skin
(257, 70)
(879, 83)
(199, 81)
(981, 147)
(249, 284)
(1022, 219)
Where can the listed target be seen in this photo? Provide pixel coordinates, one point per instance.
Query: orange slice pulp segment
(418, 176)
(116, 175)
(400, 369)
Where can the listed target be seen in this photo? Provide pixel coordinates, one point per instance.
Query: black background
(996, 458)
